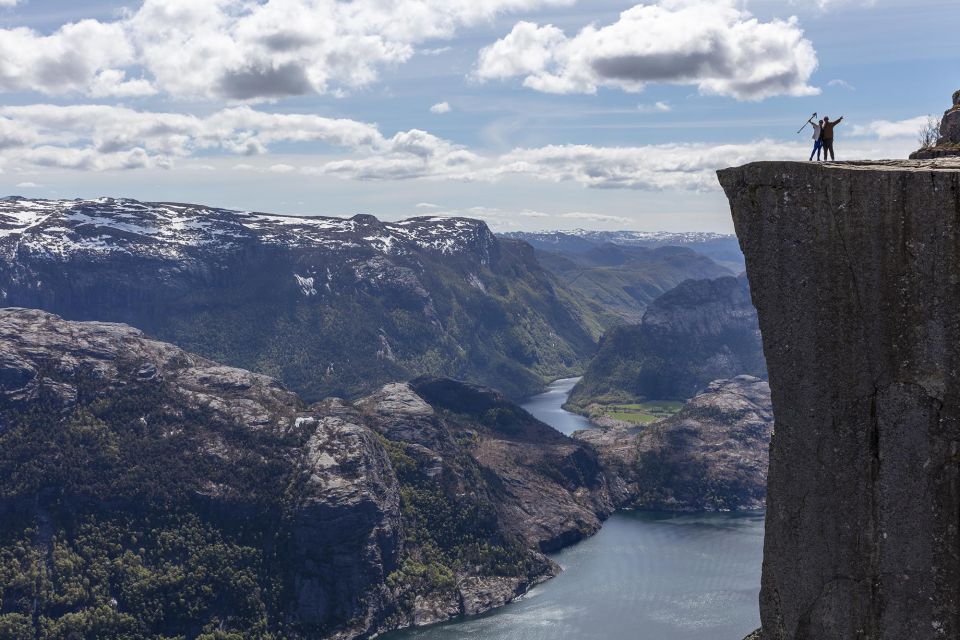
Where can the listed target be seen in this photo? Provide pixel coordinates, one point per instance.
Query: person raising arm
(817, 139)
(827, 135)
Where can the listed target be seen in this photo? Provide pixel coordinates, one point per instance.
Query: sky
(529, 114)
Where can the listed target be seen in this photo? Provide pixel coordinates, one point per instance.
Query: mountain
(698, 332)
(617, 282)
(328, 305)
(712, 455)
(855, 271)
(722, 248)
(146, 492)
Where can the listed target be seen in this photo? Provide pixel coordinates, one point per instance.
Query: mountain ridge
(331, 306)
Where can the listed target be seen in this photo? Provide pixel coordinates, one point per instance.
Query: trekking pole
(807, 122)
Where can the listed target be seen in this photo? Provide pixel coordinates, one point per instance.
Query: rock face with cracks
(855, 272)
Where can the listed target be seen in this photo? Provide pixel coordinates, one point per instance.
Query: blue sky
(531, 114)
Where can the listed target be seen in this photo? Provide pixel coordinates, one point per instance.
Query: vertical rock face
(855, 273)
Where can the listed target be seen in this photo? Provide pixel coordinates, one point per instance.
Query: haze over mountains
(723, 248)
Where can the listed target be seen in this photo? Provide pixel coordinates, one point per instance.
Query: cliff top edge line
(948, 163)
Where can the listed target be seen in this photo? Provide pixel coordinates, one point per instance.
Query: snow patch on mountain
(306, 285)
(59, 228)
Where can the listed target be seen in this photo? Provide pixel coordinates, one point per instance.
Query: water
(547, 407)
(644, 576)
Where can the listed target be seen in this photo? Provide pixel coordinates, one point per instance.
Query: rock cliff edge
(855, 273)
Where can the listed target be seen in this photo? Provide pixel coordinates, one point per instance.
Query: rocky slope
(712, 455)
(618, 282)
(854, 270)
(700, 331)
(147, 492)
(330, 306)
(949, 142)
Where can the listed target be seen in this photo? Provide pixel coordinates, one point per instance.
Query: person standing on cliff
(827, 135)
(817, 138)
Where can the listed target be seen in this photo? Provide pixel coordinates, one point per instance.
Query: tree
(930, 133)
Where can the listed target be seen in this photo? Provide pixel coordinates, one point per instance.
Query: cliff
(147, 492)
(855, 273)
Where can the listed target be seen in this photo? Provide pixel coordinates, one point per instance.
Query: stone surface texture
(855, 272)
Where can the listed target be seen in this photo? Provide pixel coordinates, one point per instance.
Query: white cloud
(28, 185)
(103, 138)
(427, 205)
(712, 44)
(594, 217)
(114, 83)
(236, 49)
(440, 107)
(498, 218)
(656, 107)
(826, 4)
(68, 60)
(9, 3)
(886, 129)
(843, 84)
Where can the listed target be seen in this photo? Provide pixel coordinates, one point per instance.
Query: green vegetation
(640, 413)
(636, 413)
(448, 535)
(105, 533)
(124, 576)
(499, 321)
(132, 515)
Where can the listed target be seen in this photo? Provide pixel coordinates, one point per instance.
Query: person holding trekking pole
(817, 137)
(827, 135)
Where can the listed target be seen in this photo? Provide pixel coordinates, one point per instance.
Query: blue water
(644, 576)
(548, 407)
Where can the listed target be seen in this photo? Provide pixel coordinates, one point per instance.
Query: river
(644, 576)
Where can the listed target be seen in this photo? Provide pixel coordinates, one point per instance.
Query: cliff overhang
(855, 272)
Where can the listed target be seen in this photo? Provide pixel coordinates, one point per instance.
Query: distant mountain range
(330, 306)
(722, 248)
(617, 282)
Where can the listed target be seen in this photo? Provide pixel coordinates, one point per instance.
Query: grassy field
(639, 414)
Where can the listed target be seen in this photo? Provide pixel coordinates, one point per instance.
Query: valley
(641, 577)
(366, 372)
